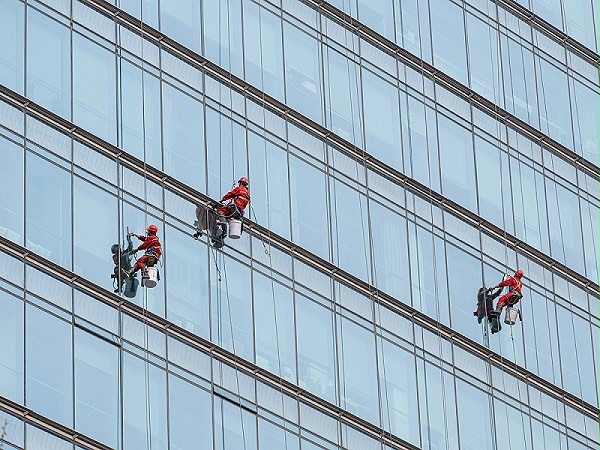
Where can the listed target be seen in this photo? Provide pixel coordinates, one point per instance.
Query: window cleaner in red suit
(152, 248)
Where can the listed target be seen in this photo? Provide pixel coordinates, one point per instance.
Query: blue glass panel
(456, 157)
(274, 327)
(553, 97)
(519, 81)
(270, 185)
(234, 427)
(390, 251)
(12, 29)
(512, 427)
(550, 10)
(412, 27)
(358, 371)
(180, 20)
(579, 20)
(344, 115)
(591, 237)
(190, 416)
(96, 388)
(95, 228)
(272, 437)
(94, 88)
(135, 8)
(231, 303)
(382, 120)
(303, 73)
(38, 439)
(221, 25)
(183, 134)
(49, 366)
(379, 15)
(350, 231)
(263, 52)
(49, 63)
(48, 210)
(310, 218)
(139, 114)
(464, 276)
(484, 60)
(11, 206)
(449, 48)
(186, 269)
(12, 355)
(316, 355)
(490, 181)
(397, 373)
(416, 153)
(144, 404)
(586, 110)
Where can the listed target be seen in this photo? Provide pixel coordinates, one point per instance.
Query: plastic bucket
(510, 318)
(235, 229)
(130, 287)
(152, 274)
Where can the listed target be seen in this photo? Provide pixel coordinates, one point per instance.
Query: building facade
(400, 155)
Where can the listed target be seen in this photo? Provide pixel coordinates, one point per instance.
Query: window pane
(235, 428)
(310, 219)
(95, 226)
(96, 388)
(180, 20)
(11, 356)
(186, 276)
(449, 49)
(190, 416)
(48, 210)
(144, 391)
(303, 73)
(358, 371)
(316, 358)
(272, 437)
(484, 59)
(12, 30)
(11, 206)
(183, 128)
(49, 63)
(49, 366)
(275, 335)
(94, 88)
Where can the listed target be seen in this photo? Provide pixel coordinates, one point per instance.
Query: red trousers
(504, 300)
(226, 210)
(141, 263)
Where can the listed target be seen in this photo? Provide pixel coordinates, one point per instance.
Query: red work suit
(514, 285)
(150, 242)
(240, 196)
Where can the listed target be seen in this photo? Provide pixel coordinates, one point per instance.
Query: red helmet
(519, 273)
(243, 181)
(152, 229)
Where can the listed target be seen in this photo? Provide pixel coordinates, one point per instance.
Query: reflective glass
(263, 52)
(186, 270)
(382, 120)
(274, 327)
(97, 388)
(316, 354)
(222, 37)
(586, 111)
(272, 437)
(49, 366)
(95, 222)
(12, 355)
(378, 15)
(183, 128)
(358, 371)
(48, 210)
(190, 416)
(12, 29)
(180, 20)
(49, 64)
(94, 88)
(302, 73)
(234, 427)
(484, 59)
(310, 218)
(11, 206)
(140, 112)
(231, 306)
(512, 427)
(38, 439)
(144, 404)
(449, 49)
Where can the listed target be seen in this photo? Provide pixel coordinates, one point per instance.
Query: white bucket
(235, 229)
(152, 274)
(510, 318)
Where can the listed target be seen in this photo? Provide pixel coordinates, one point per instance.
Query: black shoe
(196, 235)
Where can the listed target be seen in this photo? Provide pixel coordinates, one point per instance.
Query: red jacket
(513, 283)
(151, 241)
(241, 196)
